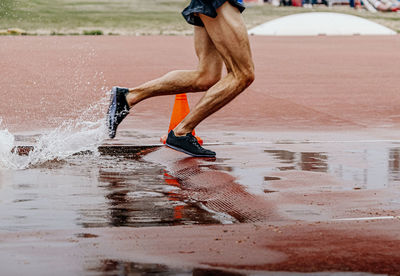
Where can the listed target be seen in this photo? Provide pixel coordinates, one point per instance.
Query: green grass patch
(7, 8)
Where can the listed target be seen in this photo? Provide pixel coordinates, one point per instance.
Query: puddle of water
(372, 166)
(115, 267)
(94, 191)
(271, 178)
(118, 267)
(53, 188)
(304, 161)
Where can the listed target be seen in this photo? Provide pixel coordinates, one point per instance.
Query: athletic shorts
(206, 7)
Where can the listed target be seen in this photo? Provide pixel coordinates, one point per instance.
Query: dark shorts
(206, 7)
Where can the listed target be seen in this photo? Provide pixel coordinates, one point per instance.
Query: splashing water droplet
(6, 145)
(83, 134)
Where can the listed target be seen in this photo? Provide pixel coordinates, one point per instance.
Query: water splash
(83, 134)
(6, 145)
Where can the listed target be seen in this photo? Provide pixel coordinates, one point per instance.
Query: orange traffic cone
(179, 112)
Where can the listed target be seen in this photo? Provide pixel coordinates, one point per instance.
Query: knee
(206, 80)
(250, 77)
(246, 77)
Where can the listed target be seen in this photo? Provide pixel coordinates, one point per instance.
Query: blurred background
(162, 17)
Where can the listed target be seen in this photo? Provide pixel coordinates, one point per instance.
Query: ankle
(181, 132)
(131, 98)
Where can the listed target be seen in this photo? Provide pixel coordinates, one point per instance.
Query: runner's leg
(229, 35)
(206, 75)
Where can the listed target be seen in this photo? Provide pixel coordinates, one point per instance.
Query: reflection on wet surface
(271, 178)
(104, 190)
(148, 203)
(117, 267)
(394, 164)
(94, 191)
(367, 168)
(305, 161)
(86, 235)
(211, 183)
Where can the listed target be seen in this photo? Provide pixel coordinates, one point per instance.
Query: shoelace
(194, 141)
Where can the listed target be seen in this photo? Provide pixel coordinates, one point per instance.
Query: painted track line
(367, 218)
(306, 142)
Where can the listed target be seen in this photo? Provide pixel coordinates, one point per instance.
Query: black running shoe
(188, 144)
(118, 109)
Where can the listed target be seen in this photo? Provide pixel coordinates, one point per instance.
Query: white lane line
(284, 142)
(368, 218)
(315, 141)
(351, 141)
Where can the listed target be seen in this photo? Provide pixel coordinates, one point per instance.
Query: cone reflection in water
(179, 112)
(178, 209)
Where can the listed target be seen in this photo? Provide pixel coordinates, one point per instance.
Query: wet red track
(302, 83)
(326, 88)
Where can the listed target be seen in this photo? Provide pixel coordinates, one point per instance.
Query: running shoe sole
(187, 152)
(117, 111)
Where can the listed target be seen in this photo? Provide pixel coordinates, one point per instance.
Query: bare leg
(207, 74)
(228, 33)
